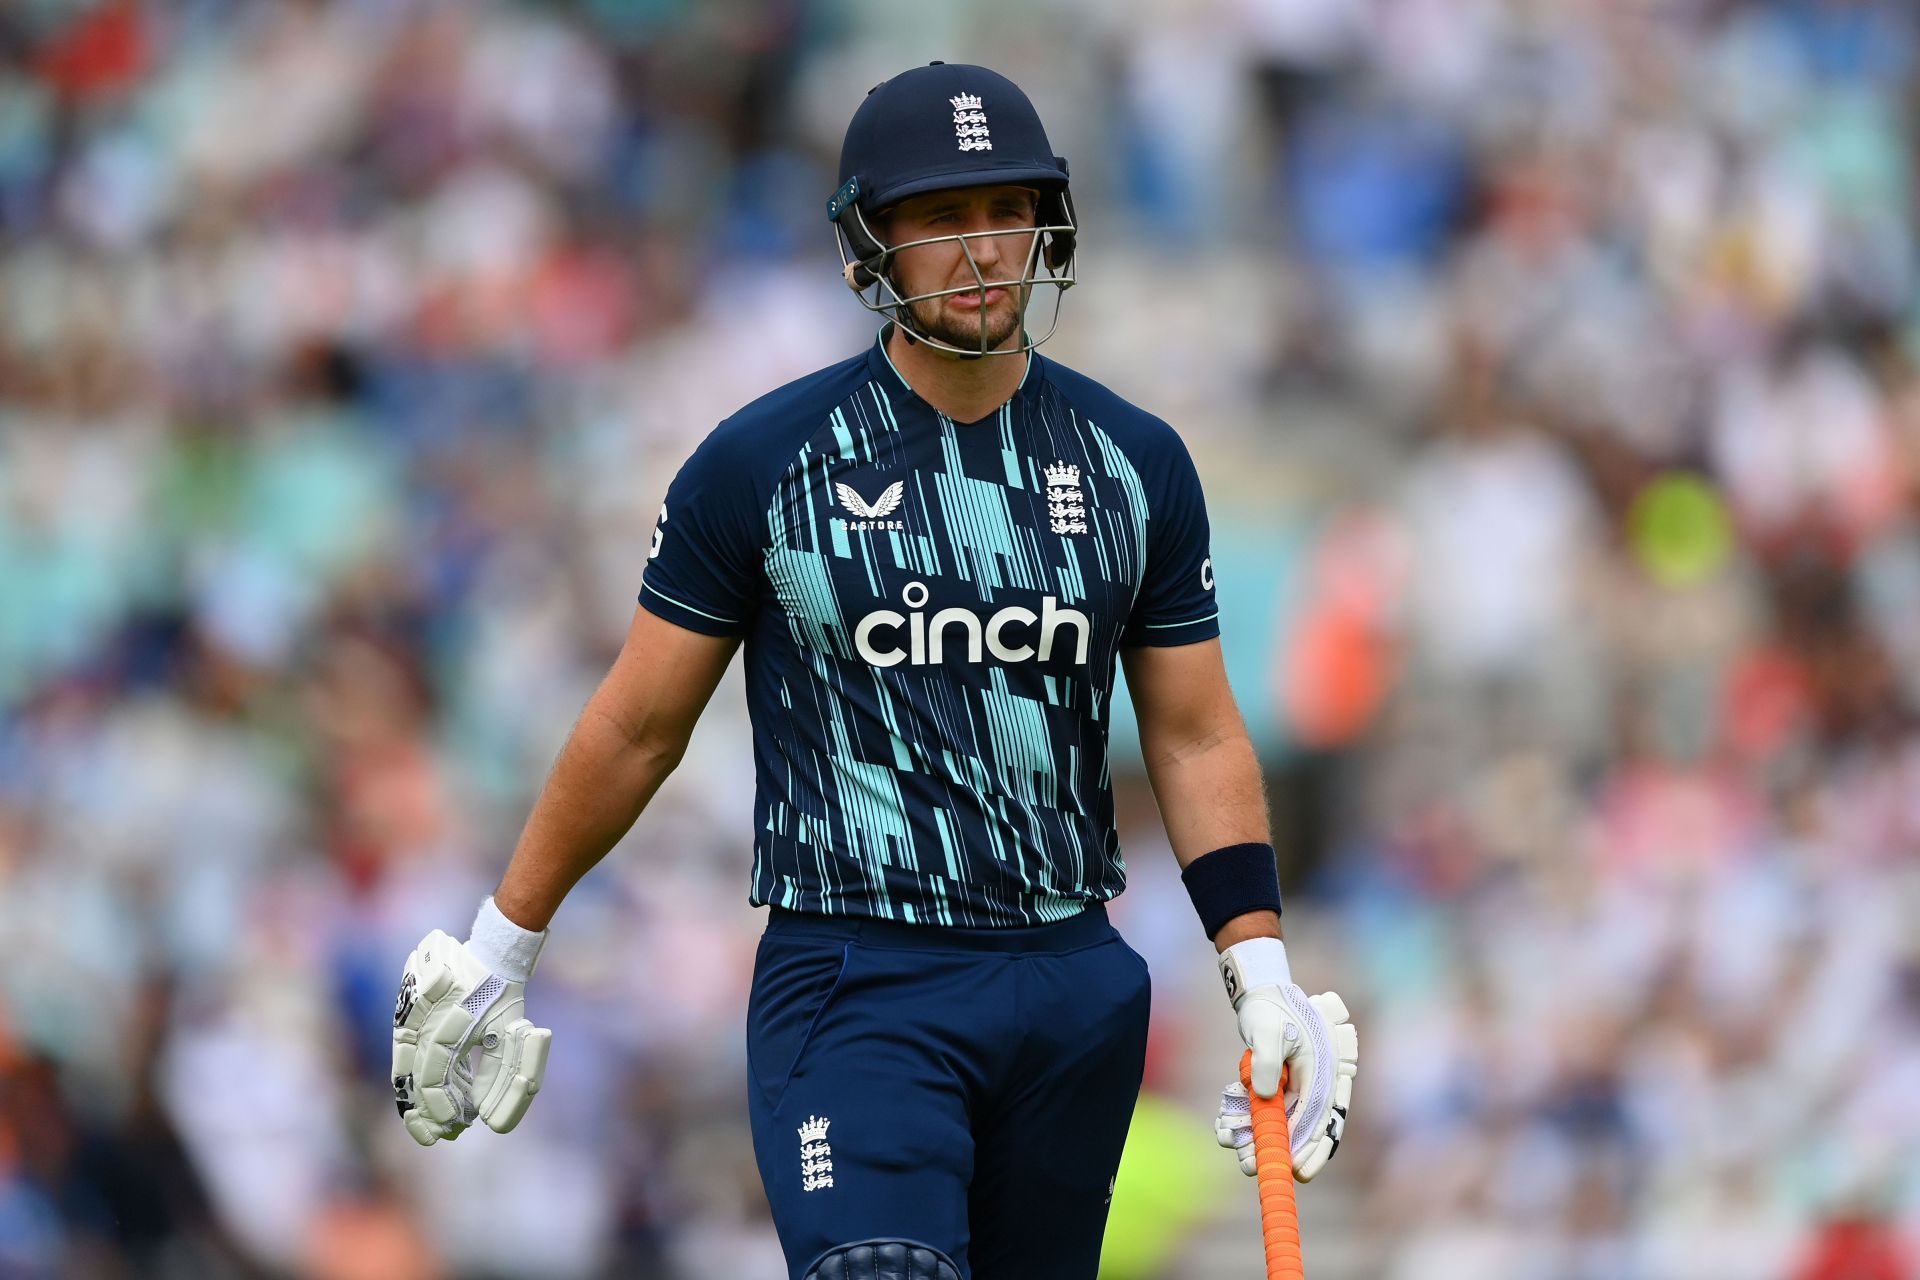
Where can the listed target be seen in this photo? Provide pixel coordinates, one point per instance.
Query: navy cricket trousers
(966, 1088)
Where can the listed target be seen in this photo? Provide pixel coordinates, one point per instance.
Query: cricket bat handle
(1273, 1159)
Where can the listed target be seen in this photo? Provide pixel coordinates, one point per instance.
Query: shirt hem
(664, 606)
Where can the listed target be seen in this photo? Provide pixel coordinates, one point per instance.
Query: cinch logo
(926, 638)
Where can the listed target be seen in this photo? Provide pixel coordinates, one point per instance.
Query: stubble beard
(933, 319)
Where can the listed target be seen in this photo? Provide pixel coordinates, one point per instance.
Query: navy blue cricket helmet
(935, 128)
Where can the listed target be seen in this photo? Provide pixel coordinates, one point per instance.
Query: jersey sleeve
(1176, 604)
(704, 566)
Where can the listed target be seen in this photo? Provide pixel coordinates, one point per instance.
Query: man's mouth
(973, 298)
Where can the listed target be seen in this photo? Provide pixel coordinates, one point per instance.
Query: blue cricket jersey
(932, 612)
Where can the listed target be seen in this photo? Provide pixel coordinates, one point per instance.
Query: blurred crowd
(1553, 367)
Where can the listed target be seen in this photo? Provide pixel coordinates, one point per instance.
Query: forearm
(1210, 796)
(599, 785)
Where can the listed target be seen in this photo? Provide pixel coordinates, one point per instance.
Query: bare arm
(631, 735)
(1200, 761)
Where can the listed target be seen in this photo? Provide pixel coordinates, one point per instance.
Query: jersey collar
(883, 371)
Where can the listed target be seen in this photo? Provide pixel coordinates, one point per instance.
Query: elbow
(643, 738)
(1167, 749)
(661, 754)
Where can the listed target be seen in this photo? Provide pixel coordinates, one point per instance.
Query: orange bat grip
(1273, 1158)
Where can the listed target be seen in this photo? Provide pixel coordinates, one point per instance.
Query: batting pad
(883, 1260)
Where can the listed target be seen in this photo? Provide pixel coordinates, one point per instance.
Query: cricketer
(935, 552)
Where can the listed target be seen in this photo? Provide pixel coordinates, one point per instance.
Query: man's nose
(994, 250)
(986, 248)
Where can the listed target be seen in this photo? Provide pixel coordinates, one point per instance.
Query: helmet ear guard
(865, 258)
(1056, 210)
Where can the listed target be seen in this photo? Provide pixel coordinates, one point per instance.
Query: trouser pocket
(794, 985)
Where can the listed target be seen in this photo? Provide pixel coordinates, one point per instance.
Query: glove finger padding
(439, 1066)
(424, 986)
(425, 1129)
(513, 1061)
(1320, 1149)
(451, 1100)
(1319, 1111)
(1270, 1052)
(1270, 1025)
(1233, 1126)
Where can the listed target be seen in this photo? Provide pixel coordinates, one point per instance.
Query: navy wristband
(1232, 881)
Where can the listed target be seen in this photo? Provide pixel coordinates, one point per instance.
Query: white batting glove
(1310, 1037)
(461, 998)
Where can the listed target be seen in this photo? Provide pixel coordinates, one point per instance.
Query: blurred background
(1553, 367)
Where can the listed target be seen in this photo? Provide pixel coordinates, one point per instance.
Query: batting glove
(1310, 1037)
(467, 998)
